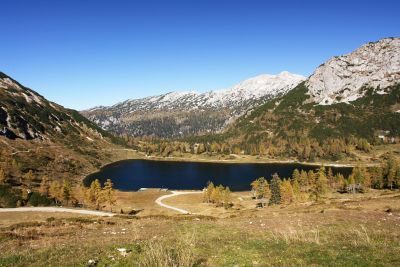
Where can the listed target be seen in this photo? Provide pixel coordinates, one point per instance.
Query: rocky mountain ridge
(179, 112)
(342, 78)
(352, 97)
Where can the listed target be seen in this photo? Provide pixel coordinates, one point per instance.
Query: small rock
(251, 222)
(196, 219)
(390, 214)
(123, 251)
(92, 262)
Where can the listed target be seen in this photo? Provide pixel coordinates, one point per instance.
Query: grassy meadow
(340, 231)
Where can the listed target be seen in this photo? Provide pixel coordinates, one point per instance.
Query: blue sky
(86, 53)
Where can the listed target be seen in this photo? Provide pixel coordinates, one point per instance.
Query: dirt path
(174, 193)
(54, 209)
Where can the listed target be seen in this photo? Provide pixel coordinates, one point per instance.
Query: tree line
(302, 148)
(218, 195)
(314, 185)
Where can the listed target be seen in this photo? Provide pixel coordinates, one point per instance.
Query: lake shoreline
(252, 160)
(180, 173)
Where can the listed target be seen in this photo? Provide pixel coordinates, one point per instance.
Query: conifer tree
(286, 192)
(210, 189)
(219, 190)
(66, 191)
(95, 195)
(3, 178)
(25, 195)
(109, 193)
(84, 193)
(311, 177)
(296, 175)
(212, 196)
(391, 173)
(28, 177)
(261, 190)
(44, 186)
(55, 191)
(320, 187)
(339, 181)
(330, 177)
(227, 198)
(366, 180)
(275, 190)
(296, 190)
(303, 180)
(205, 198)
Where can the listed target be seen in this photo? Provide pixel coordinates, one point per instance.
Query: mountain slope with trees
(40, 140)
(300, 124)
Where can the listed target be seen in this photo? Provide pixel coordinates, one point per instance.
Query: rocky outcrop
(342, 79)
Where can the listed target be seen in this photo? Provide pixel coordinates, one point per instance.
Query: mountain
(185, 113)
(46, 138)
(341, 79)
(349, 102)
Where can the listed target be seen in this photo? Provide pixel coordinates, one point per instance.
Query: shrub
(37, 199)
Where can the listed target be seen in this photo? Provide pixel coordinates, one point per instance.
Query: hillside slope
(179, 114)
(45, 138)
(352, 97)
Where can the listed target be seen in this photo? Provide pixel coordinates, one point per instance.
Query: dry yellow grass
(10, 218)
(358, 233)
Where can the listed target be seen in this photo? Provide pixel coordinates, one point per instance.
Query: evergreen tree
(275, 190)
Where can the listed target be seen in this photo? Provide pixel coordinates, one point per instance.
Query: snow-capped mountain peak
(227, 104)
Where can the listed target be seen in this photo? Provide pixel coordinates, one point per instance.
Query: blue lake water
(130, 175)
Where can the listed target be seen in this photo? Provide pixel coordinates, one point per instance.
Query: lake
(130, 175)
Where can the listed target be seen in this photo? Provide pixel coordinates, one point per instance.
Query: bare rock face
(341, 79)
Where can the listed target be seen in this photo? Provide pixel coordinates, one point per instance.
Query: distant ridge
(183, 113)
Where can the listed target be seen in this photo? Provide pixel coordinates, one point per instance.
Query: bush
(37, 199)
(9, 197)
